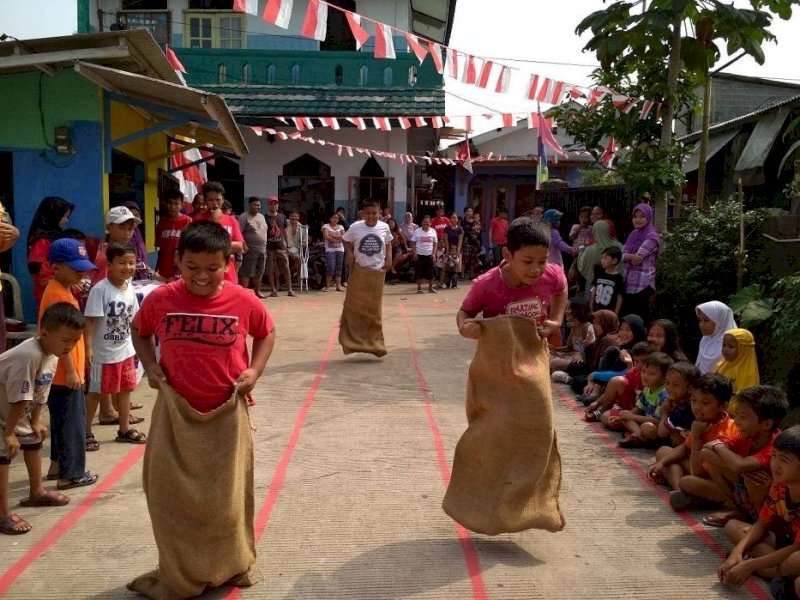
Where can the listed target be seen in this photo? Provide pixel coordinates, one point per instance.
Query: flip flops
(84, 480)
(720, 519)
(11, 525)
(131, 421)
(50, 498)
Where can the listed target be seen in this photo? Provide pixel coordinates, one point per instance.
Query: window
(209, 30)
(246, 73)
(378, 188)
(363, 75)
(222, 73)
(338, 75)
(295, 74)
(412, 75)
(271, 75)
(338, 35)
(388, 76)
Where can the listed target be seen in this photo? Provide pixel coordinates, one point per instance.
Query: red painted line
(470, 554)
(69, 520)
(279, 477)
(696, 527)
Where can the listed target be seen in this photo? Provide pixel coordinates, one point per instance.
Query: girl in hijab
(714, 318)
(557, 244)
(471, 248)
(47, 226)
(408, 227)
(640, 255)
(739, 362)
(143, 271)
(590, 257)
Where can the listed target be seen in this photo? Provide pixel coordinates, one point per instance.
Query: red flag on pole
(548, 138)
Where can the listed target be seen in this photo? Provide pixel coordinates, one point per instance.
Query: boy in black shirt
(608, 285)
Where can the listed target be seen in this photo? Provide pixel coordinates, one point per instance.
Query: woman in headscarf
(640, 256)
(47, 226)
(715, 318)
(616, 359)
(408, 227)
(557, 244)
(590, 257)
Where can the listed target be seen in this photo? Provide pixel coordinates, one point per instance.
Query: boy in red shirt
(168, 231)
(498, 234)
(214, 195)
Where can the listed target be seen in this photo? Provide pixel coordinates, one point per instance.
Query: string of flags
(387, 123)
(474, 70)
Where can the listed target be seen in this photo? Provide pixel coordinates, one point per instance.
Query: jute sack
(361, 328)
(507, 470)
(198, 480)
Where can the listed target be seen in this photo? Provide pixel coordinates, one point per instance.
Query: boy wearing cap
(70, 262)
(214, 195)
(120, 225)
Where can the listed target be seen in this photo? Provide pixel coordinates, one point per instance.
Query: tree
(659, 51)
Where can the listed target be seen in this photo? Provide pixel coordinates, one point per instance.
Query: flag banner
(503, 80)
(436, 55)
(173, 60)
(299, 124)
(278, 12)
(282, 120)
(307, 122)
(295, 135)
(508, 120)
(533, 120)
(381, 123)
(257, 130)
(358, 122)
(420, 122)
(546, 135)
(533, 86)
(647, 106)
(315, 24)
(359, 33)
(437, 122)
(486, 74)
(246, 6)
(550, 92)
(575, 92)
(405, 122)
(452, 63)
(338, 149)
(417, 48)
(384, 42)
(470, 75)
(349, 151)
(463, 155)
(282, 135)
(608, 156)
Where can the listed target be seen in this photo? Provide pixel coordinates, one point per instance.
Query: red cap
(272, 200)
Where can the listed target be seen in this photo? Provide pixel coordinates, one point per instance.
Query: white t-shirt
(369, 243)
(26, 373)
(111, 336)
(337, 246)
(424, 241)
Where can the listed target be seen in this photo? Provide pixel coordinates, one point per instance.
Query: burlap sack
(507, 470)
(361, 329)
(198, 480)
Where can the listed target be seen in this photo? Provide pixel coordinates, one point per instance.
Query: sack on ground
(198, 480)
(507, 469)
(361, 326)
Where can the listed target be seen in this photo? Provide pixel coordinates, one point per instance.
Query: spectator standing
(8, 237)
(277, 242)
(454, 242)
(557, 244)
(439, 222)
(47, 226)
(254, 230)
(214, 195)
(471, 248)
(408, 227)
(590, 257)
(640, 256)
(498, 233)
(168, 232)
(143, 270)
(333, 233)
(342, 218)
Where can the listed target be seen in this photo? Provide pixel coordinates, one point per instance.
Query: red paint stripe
(69, 520)
(279, 477)
(698, 529)
(470, 554)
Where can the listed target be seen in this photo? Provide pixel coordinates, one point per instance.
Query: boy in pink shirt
(523, 284)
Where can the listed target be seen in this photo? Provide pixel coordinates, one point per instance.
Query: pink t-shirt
(231, 225)
(499, 228)
(203, 340)
(492, 296)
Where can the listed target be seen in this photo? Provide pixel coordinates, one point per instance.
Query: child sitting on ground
(676, 415)
(770, 547)
(739, 465)
(621, 392)
(641, 423)
(26, 372)
(110, 308)
(664, 334)
(608, 285)
(710, 396)
(581, 334)
(738, 362)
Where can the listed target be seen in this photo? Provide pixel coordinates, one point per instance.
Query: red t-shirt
(499, 229)
(778, 504)
(633, 387)
(231, 225)
(439, 223)
(38, 254)
(203, 340)
(742, 446)
(168, 232)
(492, 296)
(723, 429)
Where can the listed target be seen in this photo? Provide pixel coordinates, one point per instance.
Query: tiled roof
(258, 101)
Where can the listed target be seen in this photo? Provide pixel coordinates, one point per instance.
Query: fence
(616, 201)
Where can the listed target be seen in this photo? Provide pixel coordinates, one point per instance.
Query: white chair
(15, 311)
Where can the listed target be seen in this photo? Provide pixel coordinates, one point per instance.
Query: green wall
(66, 97)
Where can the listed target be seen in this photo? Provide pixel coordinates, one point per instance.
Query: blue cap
(71, 253)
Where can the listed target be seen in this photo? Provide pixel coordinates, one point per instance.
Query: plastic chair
(16, 311)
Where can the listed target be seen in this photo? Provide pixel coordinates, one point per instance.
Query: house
(266, 73)
(91, 119)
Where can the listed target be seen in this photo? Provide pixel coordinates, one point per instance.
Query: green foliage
(597, 177)
(786, 325)
(751, 307)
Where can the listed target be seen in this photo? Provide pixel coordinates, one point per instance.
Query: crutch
(303, 256)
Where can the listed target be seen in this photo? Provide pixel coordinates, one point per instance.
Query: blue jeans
(497, 252)
(67, 431)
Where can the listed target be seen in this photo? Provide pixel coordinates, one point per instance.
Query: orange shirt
(56, 292)
(724, 428)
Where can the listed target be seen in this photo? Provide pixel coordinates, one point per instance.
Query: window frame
(215, 17)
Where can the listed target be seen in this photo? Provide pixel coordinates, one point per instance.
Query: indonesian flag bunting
(630, 106)
(508, 120)
(596, 95)
(436, 55)
(246, 6)
(547, 137)
(307, 122)
(278, 12)
(298, 123)
(550, 92)
(349, 150)
(437, 122)
(416, 47)
(608, 156)
(452, 62)
(533, 87)
(533, 120)
(257, 130)
(384, 42)
(282, 120)
(338, 149)
(468, 123)
(486, 73)
(446, 120)
(173, 60)
(405, 122)
(358, 122)
(208, 153)
(414, 159)
(359, 33)
(503, 80)
(331, 122)
(420, 122)
(315, 24)
(463, 155)
(575, 92)
(470, 75)
(381, 123)
(647, 106)
(282, 135)
(295, 135)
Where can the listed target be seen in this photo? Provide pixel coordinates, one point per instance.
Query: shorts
(253, 264)
(277, 258)
(113, 378)
(424, 267)
(28, 440)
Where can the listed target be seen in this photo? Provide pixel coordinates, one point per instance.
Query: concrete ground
(352, 455)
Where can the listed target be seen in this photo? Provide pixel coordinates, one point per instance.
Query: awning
(196, 114)
(715, 144)
(751, 162)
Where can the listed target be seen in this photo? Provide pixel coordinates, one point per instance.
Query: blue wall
(77, 178)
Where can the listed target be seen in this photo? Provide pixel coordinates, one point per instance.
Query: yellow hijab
(743, 370)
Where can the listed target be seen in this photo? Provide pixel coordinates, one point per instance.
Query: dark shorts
(424, 267)
(253, 265)
(277, 259)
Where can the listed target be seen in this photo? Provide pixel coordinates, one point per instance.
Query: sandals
(593, 416)
(631, 441)
(131, 437)
(14, 525)
(720, 519)
(420, 292)
(92, 445)
(50, 498)
(131, 421)
(136, 406)
(86, 479)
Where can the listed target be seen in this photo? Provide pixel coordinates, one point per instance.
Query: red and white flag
(331, 122)
(298, 123)
(278, 12)
(349, 150)
(175, 63)
(246, 6)
(282, 135)
(452, 63)
(608, 156)
(575, 92)
(420, 122)
(359, 33)
(437, 122)
(436, 55)
(382, 123)
(647, 106)
(416, 47)
(282, 120)
(533, 87)
(470, 76)
(503, 80)
(405, 122)
(463, 154)
(508, 120)
(548, 139)
(486, 73)
(338, 149)
(315, 24)
(550, 92)
(596, 95)
(384, 42)
(533, 120)
(358, 122)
